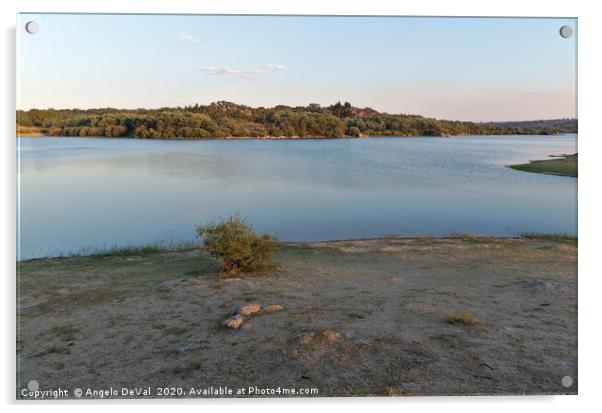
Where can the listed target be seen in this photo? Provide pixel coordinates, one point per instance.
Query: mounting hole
(567, 381)
(566, 31)
(32, 27)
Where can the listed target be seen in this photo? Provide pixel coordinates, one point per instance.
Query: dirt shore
(365, 317)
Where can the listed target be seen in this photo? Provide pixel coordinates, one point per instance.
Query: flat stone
(234, 322)
(249, 309)
(274, 308)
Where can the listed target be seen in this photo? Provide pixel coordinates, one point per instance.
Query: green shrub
(236, 246)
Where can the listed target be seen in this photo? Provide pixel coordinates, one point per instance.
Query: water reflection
(78, 192)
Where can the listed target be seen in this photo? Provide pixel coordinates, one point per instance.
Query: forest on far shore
(225, 119)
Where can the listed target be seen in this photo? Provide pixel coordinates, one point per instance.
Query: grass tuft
(556, 237)
(66, 332)
(133, 250)
(467, 319)
(58, 350)
(186, 370)
(129, 251)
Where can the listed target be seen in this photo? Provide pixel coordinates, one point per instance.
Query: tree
(222, 119)
(354, 131)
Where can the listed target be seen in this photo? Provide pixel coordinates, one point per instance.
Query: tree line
(225, 119)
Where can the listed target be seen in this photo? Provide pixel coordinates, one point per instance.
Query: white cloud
(232, 71)
(275, 66)
(255, 73)
(189, 38)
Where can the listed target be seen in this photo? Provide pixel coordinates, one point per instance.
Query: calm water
(81, 192)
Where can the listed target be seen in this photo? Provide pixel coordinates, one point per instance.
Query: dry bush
(236, 246)
(467, 319)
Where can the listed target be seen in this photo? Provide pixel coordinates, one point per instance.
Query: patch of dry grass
(393, 391)
(64, 332)
(467, 319)
(56, 350)
(187, 369)
(321, 338)
(466, 237)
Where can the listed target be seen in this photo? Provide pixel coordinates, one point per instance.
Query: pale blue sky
(453, 68)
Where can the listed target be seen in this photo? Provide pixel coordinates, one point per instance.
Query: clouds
(231, 71)
(253, 73)
(182, 37)
(189, 38)
(275, 66)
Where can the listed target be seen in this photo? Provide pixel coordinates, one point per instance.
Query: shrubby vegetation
(556, 237)
(467, 319)
(236, 246)
(564, 165)
(225, 119)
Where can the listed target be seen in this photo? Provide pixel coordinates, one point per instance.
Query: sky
(476, 69)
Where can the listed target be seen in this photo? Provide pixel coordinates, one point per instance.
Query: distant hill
(550, 125)
(226, 119)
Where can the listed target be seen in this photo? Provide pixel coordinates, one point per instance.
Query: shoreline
(152, 248)
(284, 138)
(559, 165)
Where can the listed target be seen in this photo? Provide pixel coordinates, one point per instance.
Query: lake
(82, 193)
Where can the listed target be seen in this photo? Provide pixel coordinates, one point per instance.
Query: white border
(590, 208)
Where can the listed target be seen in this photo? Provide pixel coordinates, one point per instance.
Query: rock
(274, 308)
(249, 309)
(234, 322)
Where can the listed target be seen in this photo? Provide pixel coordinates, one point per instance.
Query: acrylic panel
(295, 206)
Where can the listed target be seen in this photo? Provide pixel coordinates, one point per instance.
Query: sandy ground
(361, 318)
